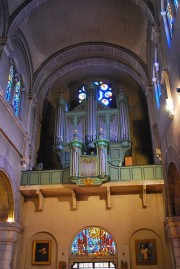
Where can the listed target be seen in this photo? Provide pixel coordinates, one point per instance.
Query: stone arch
(90, 62)
(91, 53)
(173, 191)
(7, 200)
(8, 172)
(30, 7)
(3, 18)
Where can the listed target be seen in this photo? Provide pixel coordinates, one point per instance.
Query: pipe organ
(92, 135)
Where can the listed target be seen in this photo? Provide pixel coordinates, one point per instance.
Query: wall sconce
(170, 107)
(178, 90)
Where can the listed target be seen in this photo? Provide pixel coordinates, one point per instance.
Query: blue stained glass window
(104, 93)
(157, 85)
(93, 241)
(17, 97)
(170, 18)
(176, 4)
(9, 88)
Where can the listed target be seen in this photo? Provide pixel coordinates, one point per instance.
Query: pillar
(9, 233)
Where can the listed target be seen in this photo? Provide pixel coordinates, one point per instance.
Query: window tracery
(104, 93)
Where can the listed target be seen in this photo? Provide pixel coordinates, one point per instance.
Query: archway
(7, 201)
(173, 191)
(93, 247)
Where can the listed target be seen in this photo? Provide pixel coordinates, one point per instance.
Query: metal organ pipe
(123, 116)
(91, 112)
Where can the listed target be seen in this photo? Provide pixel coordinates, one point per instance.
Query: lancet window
(176, 4)
(14, 90)
(170, 17)
(10, 84)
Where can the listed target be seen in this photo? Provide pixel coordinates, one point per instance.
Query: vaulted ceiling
(103, 38)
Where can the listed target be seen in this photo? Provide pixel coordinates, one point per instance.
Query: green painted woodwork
(116, 174)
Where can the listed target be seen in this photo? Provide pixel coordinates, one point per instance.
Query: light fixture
(170, 107)
(178, 90)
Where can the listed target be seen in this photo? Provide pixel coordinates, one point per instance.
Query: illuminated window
(14, 90)
(104, 93)
(17, 97)
(93, 241)
(176, 4)
(9, 89)
(157, 83)
(170, 18)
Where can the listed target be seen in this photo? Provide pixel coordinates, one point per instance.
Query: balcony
(123, 180)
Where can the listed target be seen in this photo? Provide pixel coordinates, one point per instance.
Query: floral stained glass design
(9, 88)
(104, 93)
(93, 241)
(17, 97)
(170, 18)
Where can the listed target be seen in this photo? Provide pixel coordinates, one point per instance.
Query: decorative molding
(41, 199)
(71, 55)
(143, 81)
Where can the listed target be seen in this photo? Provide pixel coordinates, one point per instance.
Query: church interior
(89, 134)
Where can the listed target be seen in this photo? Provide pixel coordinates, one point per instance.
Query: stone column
(9, 233)
(172, 227)
(25, 162)
(153, 125)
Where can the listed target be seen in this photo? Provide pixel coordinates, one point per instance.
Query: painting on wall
(146, 252)
(41, 252)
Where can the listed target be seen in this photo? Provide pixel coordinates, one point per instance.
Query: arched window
(170, 17)
(157, 79)
(104, 93)
(14, 90)
(10, 84)
(17, 97)
(176, 4)
(93, 241)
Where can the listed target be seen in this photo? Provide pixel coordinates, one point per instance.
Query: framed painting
(41, 252)
(146, 252)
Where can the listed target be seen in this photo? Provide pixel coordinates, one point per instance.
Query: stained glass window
(93, 241)
(104, 93)
(157, 84)
(17, 97)
(9, 89)
(170, 18)
(176, 4)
